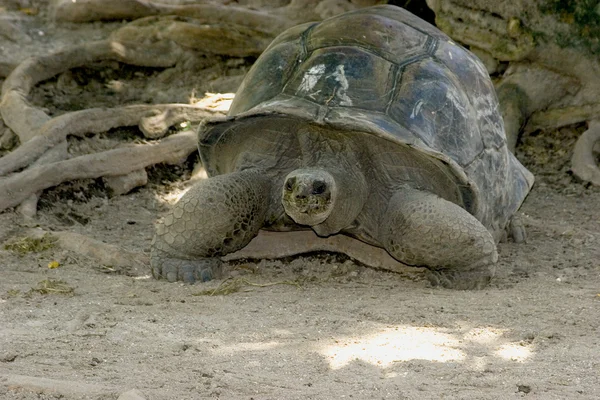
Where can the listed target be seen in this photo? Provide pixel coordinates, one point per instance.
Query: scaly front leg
(423, 229)
(215, 217)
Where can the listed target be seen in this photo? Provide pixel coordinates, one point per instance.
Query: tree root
(39, 133)
(24, 119)
(557, 117)
(163, 117)
(93, 120)
(97, 10)
(103, 253)
(583, 163)
(172, 150)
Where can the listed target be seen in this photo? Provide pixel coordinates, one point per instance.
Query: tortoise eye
(319, 187)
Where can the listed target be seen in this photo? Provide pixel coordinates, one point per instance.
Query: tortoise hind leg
(215, 217)
(423, 229)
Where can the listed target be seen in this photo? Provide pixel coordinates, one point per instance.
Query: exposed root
(159, 40)
(78, 123)
(96, 10)
(583, 163)
(156, 125)
(172, 150)
(103, 253)
(18, 114)
(557, 117)
(28, 208)
(513, 103)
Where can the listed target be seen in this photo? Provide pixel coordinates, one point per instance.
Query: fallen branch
(173, 149)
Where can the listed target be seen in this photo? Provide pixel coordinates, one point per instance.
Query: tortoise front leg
(215, 217)
(422, 229)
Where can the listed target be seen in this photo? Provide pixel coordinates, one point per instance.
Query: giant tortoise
(372, 124)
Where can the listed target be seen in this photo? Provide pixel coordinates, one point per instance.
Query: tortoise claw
(188, 271)
(461, 280)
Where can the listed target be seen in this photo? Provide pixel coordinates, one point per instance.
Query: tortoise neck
(351, 197)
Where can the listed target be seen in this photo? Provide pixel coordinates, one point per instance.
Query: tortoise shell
(385, 72)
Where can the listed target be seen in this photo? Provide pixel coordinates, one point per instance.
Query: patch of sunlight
(118, 48)
(174, 196)
(248, 346)
(198, 173)
(514, 352)
(395, 345)
(213, 101)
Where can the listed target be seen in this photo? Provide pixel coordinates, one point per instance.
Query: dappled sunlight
(404, 343)
(213, 101)
(514, 352)
(173, 196)
(394, 345)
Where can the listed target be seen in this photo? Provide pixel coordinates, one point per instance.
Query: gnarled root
(103, 253)
(172, 150)
(162, 118)
(96, 10)
(583, 163)
(93, 120)
(18, 114)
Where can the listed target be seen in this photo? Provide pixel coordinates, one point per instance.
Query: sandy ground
(315, 327)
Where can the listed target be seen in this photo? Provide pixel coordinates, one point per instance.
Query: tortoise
(371, 124)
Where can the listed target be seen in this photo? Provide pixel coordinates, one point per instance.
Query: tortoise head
(323, 199)
(309, 195)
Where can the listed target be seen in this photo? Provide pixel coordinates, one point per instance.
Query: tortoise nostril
(319, 187)
(300, 196)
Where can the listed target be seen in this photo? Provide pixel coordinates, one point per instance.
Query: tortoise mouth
(308, 196)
